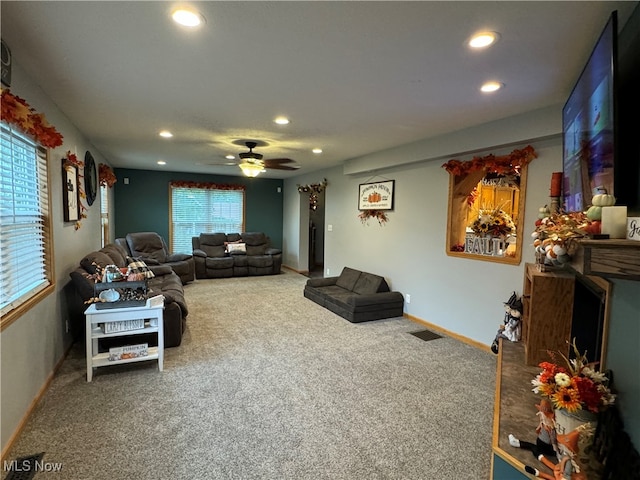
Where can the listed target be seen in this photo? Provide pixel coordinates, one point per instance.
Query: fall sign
(376, 196)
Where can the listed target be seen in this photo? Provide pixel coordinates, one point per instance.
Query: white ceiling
(353, 77)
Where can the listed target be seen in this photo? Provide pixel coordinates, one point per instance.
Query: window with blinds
(196, 210)
(104, 213)
(25, 230)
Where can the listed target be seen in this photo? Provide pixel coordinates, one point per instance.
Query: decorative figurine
(512, 328)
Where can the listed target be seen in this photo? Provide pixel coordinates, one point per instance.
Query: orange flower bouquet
(575, 385)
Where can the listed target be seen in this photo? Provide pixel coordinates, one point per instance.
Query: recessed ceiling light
(490, 87)
(282, 121)
(484, 39)
(165, 134)
(317, 150)
(187, 18)
(230, 157)
(161, 162)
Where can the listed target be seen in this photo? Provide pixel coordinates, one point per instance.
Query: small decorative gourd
(597, 202)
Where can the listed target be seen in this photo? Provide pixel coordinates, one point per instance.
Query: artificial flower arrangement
(553, 235)
(106, 177)
(495, 222)
(379, 215)
(575, 385)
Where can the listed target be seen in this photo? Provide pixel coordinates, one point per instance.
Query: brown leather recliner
(152, 249)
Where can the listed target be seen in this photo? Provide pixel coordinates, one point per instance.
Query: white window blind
(104, 213)
(203, 210)
(24, 227)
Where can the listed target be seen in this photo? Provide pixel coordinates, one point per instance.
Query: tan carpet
(269, 385)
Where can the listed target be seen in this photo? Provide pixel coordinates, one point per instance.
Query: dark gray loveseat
(355, 295)
(215, 258)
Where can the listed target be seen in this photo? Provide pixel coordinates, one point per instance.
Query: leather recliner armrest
(272, 251)
(199, 253)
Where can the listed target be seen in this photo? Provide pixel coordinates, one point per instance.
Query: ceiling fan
(252, 163)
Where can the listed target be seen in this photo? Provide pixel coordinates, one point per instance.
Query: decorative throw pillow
(237, 247)
(137, 266)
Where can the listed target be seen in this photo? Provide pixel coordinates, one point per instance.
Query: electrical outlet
(408, 298)
(66, 326)
(328, 272)
(330, 228)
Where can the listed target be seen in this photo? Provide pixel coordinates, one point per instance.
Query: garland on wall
(510, 164)
(106, 177)
(71, 160)
(16, 110)
(313, 189)
(206, 185)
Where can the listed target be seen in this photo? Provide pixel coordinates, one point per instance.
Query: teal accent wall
(142, 205)
(504, 471)
(623, 353)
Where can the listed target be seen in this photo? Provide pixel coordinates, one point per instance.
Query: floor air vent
(426, 335)
(24, 468)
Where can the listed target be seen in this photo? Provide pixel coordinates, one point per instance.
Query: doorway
(316, 233)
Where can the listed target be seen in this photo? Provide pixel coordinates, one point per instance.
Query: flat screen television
(589, 126)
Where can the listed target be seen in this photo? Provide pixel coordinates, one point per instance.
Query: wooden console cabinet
(547, 312)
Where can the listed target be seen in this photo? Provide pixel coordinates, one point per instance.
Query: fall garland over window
(72, 160)
(106, 177)
(17, 111)
(206, 185)
(510, 164)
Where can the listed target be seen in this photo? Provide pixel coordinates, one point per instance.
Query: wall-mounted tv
(589, 125)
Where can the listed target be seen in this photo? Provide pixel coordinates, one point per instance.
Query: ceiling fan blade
(282, 167)
(278, 160)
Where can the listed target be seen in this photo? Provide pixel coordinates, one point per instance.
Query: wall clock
(90, 178)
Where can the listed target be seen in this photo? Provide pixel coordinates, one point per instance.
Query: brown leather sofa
(215, 259)
(151, 248)
(166, 282)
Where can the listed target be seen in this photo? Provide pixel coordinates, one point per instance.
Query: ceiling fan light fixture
(251, 169)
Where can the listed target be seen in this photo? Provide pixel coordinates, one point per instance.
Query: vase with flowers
(577, 391)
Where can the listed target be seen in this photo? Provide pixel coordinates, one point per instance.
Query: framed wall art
(70, 197)
(376, 196)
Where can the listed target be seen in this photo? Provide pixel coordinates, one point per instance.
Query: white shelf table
(151, 312)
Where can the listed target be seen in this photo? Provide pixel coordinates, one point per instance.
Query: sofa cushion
(348, 278)
(370, 283)
(236, 248)
(260, 261)
(219, 262)
(137, 265)
(256, 243)
(147, 245)
(92, 259)
(117, 254)
(213, 244)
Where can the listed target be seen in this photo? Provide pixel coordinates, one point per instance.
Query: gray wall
(36, 342)
(461, 295)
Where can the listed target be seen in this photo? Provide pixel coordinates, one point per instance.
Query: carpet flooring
(269, 385)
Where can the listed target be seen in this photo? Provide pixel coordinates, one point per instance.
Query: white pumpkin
(603, 200)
